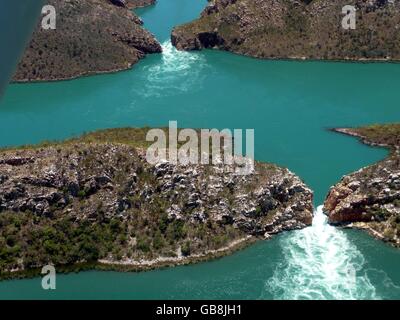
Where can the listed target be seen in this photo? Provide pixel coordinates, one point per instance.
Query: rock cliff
(91, 36)
(295, 29)
(96, 198)
(370, 198)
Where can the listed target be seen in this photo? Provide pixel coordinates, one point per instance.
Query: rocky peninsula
(370, 198)
(96, 201)
(295, 29)
(91, 36)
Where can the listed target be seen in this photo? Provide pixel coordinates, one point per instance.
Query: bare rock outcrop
(97, 184)
(370, 198)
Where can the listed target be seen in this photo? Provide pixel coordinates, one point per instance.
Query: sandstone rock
(369, 198)
(100, 181)
(174, 213)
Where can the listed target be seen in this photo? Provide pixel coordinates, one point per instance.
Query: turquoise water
(289, 104)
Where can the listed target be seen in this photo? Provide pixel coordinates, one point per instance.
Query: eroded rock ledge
(370, 198)
(97, 199)
(291, 29)
(92, 36)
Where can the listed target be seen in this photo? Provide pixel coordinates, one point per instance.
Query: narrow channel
(289, 104)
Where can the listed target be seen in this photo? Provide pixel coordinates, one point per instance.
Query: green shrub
(81, 193)
(158, 241)
(186, 249)
(143, 244)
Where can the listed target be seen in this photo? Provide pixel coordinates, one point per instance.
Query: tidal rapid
(289, 104)
(320, 262)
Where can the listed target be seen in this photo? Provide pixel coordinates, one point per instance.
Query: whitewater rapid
(175, 72)
(320, 263)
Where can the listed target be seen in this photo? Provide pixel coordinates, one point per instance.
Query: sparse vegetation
(308, 29)
(96, 198)
(385, 134)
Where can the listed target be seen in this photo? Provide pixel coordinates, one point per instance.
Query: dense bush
(30, 241)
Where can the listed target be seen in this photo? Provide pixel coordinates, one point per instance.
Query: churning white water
(176, 72)
(320, 263)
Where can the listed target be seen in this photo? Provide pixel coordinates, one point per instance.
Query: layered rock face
(370, 198)
(91, 36)
(102, 189)
(291, 29)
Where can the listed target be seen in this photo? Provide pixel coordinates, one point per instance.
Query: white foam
(320, 263)
(177, 72)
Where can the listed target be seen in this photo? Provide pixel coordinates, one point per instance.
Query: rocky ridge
(91, 36)
(97, 199)
(295, 29)
(370, 198)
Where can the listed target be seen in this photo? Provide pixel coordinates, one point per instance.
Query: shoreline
(93, 72)
(139, 266)
(250, 228)
(287, 59)
(176, 260)
(122, 42)
(364, 225)
(81, 75)
(360, 137)
(168, 262)
(300, 58)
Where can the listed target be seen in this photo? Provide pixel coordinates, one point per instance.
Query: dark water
(289, 104)
(17, 19)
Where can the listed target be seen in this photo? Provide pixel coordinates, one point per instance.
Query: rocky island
(95, 201)
(91, 36)
(295, 29)
(370, 198)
